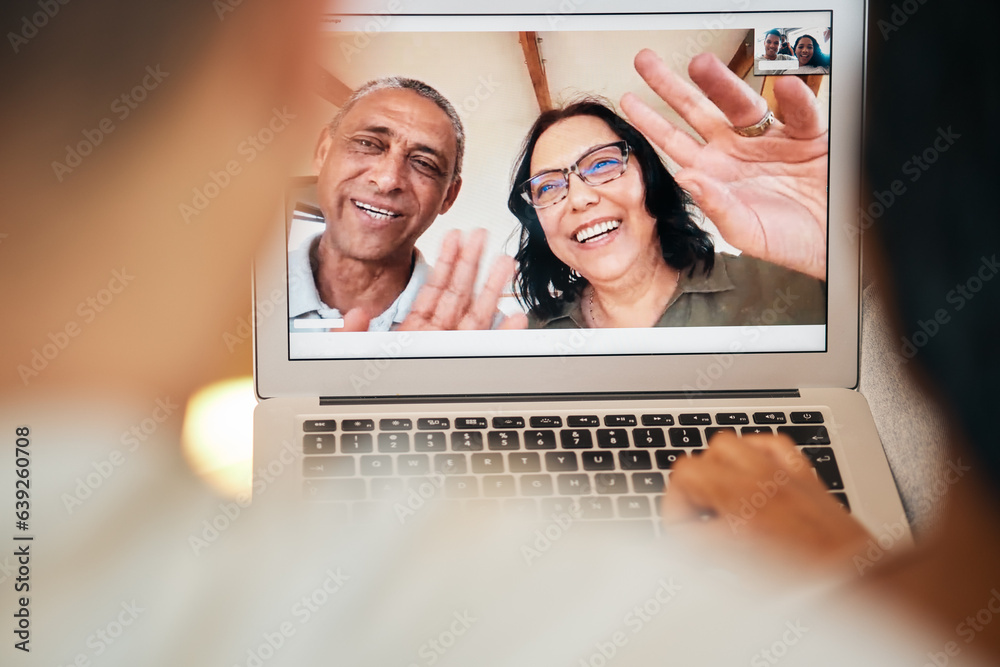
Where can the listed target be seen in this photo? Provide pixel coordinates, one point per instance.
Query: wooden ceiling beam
(332, 89)
(536, 70)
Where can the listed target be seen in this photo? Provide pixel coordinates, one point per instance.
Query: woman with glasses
(608, 238)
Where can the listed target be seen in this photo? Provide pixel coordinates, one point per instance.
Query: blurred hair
(543, 281)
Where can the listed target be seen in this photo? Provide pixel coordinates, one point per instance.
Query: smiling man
(772, 42)
(389, 164)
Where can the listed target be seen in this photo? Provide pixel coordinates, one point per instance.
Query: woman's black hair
(543, 281)
(819, 59)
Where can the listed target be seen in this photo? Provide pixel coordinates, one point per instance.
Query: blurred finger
(484, 308)
(799, 108)
(679, 145)
(736, 221)
(356, 319)
(733, 97)
(515, 321)
(689, 102)
(457, 294)
(425, 305)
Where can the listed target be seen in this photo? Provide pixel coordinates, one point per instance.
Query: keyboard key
(665, 458)
(825, 463)
(540, 440)
(842, 499)
(358, 425)
(433, 423)
(466, 441)
(598, 461)
(573, 485)
(318, 444)
(545, 422)
(526, 508)
(558, 508)
(327, 466)
(610, 482)
(685, 437)
(712, 431)
(595, 507)
(695, 419)
(508, 422)
(378, 464)
(395, 424)
(612, 437)
(647, 482)
(769, 418)
(756, 430)
(461, 487)
(657, 420)
(450, 464)
(731, 418)
(429, 442)
(560, 461)
(470, 422)
(633, 460)
(633, 507)
(649, 437)
(582, 420)
(524, 462)
(487, 463)
(536, 485)
(335, 489)
(388, 488)
(393, 442)
(806, 435)
(499, 486)
(807, 418)
(413, 464)
(619, 420)
(356, 443)
(576, 439)
(313, 425)
(502, 441)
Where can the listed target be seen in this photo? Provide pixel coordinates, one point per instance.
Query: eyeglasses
(602, 164)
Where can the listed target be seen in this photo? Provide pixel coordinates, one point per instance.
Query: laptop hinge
(493, 398)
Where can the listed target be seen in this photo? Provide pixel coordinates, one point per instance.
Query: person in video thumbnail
(617, 246)
(389, 164)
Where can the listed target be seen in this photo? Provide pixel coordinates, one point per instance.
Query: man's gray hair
(420, 88)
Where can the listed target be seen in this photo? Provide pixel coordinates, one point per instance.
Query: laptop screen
(680, 244)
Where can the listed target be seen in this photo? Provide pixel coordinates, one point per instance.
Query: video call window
(798, 51)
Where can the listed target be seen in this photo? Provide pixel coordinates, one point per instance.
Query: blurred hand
(767, 194)
(447, 301)
(760, 489)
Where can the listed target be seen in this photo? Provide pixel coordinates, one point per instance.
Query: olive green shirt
(739, 291)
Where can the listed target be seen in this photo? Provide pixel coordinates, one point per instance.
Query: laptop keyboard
(592, 466)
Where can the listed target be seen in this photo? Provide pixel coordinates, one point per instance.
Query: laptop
(581, 420)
